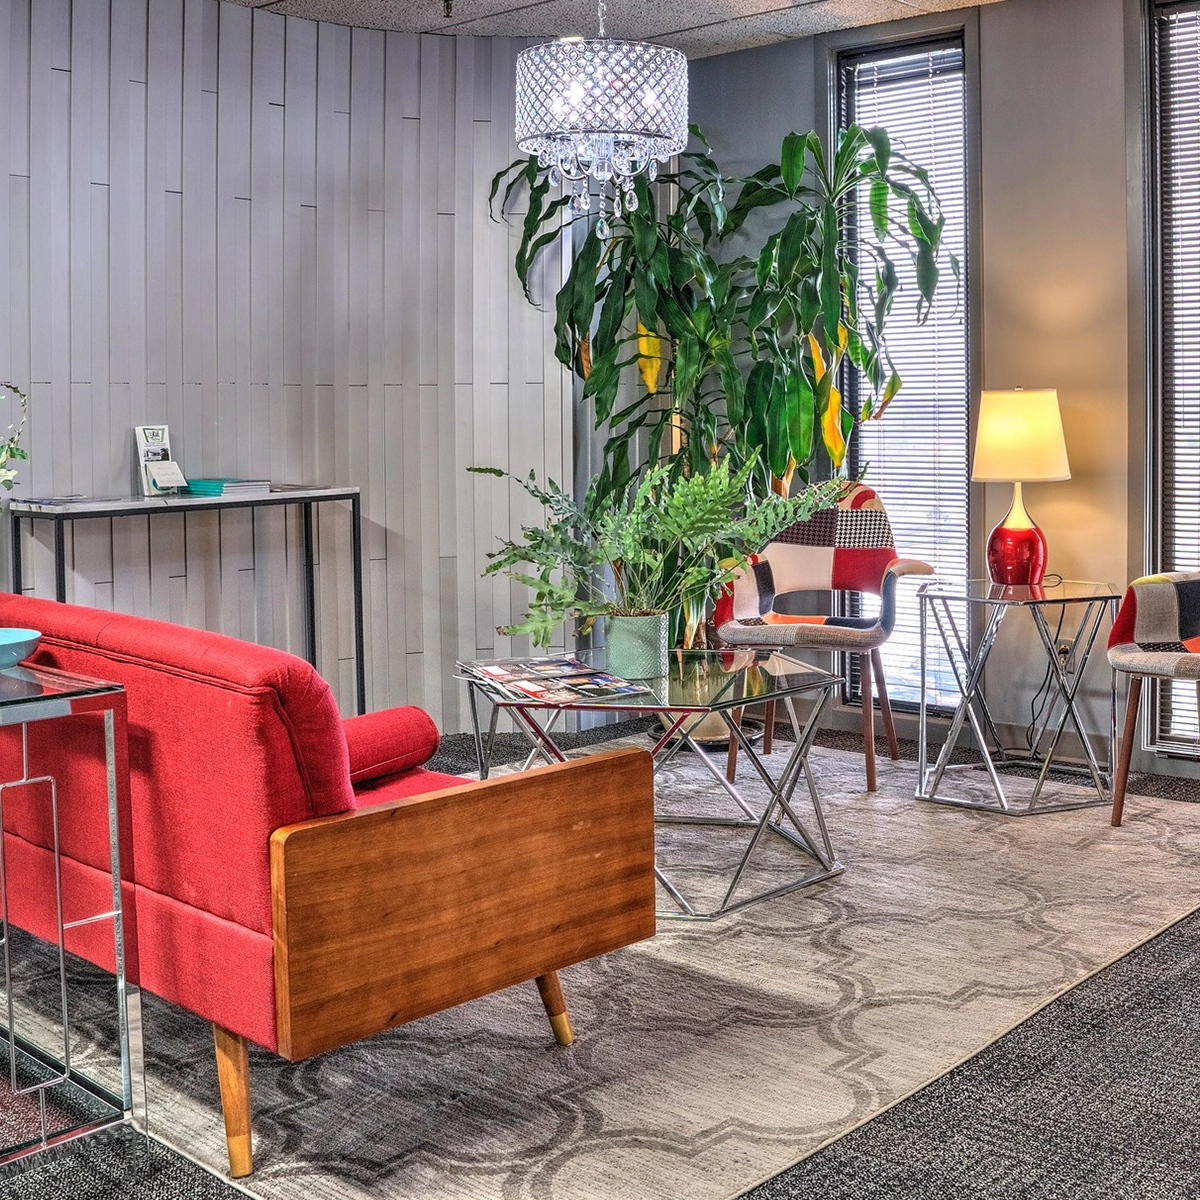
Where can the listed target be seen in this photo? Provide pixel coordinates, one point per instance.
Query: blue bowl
(17, 644)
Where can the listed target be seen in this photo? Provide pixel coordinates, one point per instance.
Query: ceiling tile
(697, 27)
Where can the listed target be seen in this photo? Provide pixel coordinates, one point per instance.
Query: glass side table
(45, 1098)
(936, 600)
(702, 683)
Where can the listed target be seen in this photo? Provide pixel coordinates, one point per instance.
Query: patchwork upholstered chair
(846, 549)
(1156, 635)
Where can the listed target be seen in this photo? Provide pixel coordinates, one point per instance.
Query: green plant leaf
(791, 161)
(801, 411)
(831, 284)
(646, 297)
(881, 143)
(615, 308)
(880, 193)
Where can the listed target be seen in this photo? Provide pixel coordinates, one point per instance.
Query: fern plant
(667, 543)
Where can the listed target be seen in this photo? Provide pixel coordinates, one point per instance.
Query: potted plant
(740, 337)
(667, 543)
(10, 448)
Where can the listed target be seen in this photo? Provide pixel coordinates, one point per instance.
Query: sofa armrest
(389, 741)
(393, 912)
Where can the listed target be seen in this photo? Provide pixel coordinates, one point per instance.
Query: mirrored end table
(701, 683)
(1093, 602)
(45, 1097)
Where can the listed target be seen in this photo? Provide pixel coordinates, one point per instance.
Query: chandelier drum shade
(603, 110)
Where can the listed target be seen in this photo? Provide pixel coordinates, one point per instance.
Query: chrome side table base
(809, 836)
(33, 1069)
(1066, 677)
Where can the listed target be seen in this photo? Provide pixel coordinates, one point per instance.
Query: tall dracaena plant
(740, 353)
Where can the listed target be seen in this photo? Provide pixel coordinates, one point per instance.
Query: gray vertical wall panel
(273, 235)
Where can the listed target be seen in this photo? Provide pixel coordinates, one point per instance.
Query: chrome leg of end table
(483, 749)
(770, 820)
(1067, 689)
(968, 677)
(132, 1068)
(970, 681)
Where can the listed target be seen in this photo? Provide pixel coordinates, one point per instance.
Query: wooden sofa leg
(233, 1072)
(885, 705)
(556, 1007)
(868, 720)
(1127, 738)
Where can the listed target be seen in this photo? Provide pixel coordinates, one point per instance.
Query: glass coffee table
(699, 684)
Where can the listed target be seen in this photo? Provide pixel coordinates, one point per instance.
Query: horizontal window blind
(1177, 71)
(916, 456)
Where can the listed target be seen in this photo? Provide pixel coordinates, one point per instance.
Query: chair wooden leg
(868, 720)
(233, 1072)
(1127, 739)
(769, 729)
(550, 991)
(885, 705)
(731, 757)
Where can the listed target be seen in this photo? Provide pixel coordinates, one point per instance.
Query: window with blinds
(1176, 44)
(917, 457)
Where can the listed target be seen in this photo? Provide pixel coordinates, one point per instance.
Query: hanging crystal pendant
(601, 109)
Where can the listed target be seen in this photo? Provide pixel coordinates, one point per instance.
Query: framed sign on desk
(81, 508)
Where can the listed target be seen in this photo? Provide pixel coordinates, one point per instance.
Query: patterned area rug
(715, 1055)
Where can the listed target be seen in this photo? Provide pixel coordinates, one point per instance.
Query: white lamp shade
(1020, 438)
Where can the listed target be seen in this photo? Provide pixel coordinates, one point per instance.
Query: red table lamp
(1019, 439)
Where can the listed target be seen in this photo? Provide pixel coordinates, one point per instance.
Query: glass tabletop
(1069, 591)
(21, 684)
(696, 681)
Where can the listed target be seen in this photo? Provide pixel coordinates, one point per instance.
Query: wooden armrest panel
(390, 913)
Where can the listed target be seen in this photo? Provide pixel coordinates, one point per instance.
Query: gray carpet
(713, 1056)
(117, 1165)
(456, 755)
(1098, 1094)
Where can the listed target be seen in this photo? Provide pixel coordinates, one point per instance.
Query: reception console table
(85, 508)
(45, 1098)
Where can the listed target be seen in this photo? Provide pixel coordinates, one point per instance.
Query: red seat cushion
(414, 782)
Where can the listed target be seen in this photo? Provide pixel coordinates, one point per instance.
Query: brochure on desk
(564, 680)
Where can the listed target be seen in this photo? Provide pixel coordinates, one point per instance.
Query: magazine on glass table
(560, 680)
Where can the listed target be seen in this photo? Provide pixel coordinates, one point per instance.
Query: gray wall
(273, 235)
(1052, 268)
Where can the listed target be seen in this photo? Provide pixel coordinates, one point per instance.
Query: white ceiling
(697, 27)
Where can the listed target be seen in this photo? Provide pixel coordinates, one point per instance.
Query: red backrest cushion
(228, 741)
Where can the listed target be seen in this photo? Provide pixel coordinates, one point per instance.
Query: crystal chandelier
(604, 110)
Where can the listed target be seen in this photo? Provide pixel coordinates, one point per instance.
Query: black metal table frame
(972, 705)
(270, 499)
(675, 736)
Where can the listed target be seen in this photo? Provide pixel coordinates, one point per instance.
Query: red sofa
(301, 880)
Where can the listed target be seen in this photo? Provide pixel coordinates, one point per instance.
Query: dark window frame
(1162, 734)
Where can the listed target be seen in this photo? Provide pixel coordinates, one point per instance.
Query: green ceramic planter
(637, 646)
